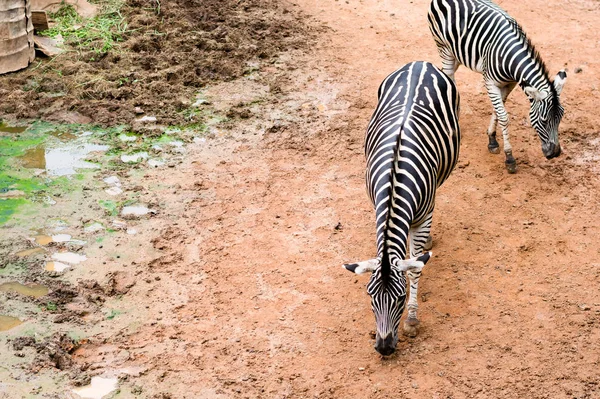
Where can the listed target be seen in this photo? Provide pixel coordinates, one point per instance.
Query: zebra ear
(535, 94)
(559, 81)
(414, 264)
(363, 267)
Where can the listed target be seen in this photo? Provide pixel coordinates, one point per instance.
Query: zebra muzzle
(551, 150)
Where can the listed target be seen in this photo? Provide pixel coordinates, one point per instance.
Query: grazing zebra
(411, 147)
(483, 37)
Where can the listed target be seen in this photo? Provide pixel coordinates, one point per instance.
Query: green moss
(8, 207)
(110, 207)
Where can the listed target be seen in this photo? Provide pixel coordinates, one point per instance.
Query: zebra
(411, 146)
(483, 37)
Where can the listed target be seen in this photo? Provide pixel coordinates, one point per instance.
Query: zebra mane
(535, 54)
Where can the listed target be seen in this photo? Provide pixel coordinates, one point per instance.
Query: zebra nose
(551, 150)
(385, 346)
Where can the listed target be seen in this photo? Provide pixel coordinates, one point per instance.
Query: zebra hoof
(410, 327)
(428, 244)
(511, 167)
(494, 149)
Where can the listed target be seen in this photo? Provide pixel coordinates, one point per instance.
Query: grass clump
(99, 34)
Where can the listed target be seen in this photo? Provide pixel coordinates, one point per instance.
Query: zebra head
(387, 288)
(545, 114)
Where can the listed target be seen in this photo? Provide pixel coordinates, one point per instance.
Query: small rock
(155, 163)
(112, 181)
(584, 307)
(361, 369)
(138, 210)
(147, 119)
(578, 70)
(114, 191)
(133, 158)
(138, 110)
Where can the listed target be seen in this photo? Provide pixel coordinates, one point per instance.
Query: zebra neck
(533, 74)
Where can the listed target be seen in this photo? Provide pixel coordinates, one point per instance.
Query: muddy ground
(235, 290)
(164, 52)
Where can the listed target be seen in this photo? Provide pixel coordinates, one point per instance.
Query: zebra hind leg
(493, 146)
(449, 62)
(419, 237)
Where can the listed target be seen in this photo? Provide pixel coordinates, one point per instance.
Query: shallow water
(8, 322)
(29, 252)
(98, 388)
(11, 129)
(33, 290)
(69, 257)
(56, 267)
(62, 161)
(43, 239)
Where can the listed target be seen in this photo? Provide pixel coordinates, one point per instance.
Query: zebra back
(412, 145)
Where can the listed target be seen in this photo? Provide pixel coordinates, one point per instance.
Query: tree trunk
(16, 35)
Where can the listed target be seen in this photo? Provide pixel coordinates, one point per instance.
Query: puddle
(33, 290)
(8, 322)
(69, 257)
(98, 388)
(11, 129)
(132, 158)
(61, 161)
(43, 239)
(29, 252)
(56, 267)
(34, 158)
(94, 227)
(155, 163)
(63, 136)
(135, 211)
(127, 137)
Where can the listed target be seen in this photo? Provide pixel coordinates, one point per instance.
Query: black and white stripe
(411, 146)
(483, 37)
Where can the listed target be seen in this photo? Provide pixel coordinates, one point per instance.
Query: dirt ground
(169, 50)
(242, 294)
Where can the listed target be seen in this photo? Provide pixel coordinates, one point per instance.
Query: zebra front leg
(493, 145)
(419, 237)
(497, 96)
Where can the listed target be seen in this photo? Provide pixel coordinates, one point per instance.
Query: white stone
(114, 191)
(137, 210)
(92, 228)
(138, 156)
(155, 163)
(48, 200)
(119, 224)
(147, 119)
(112, 181)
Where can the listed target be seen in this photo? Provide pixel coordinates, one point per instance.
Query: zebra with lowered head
(483, 37)
(411, 146)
